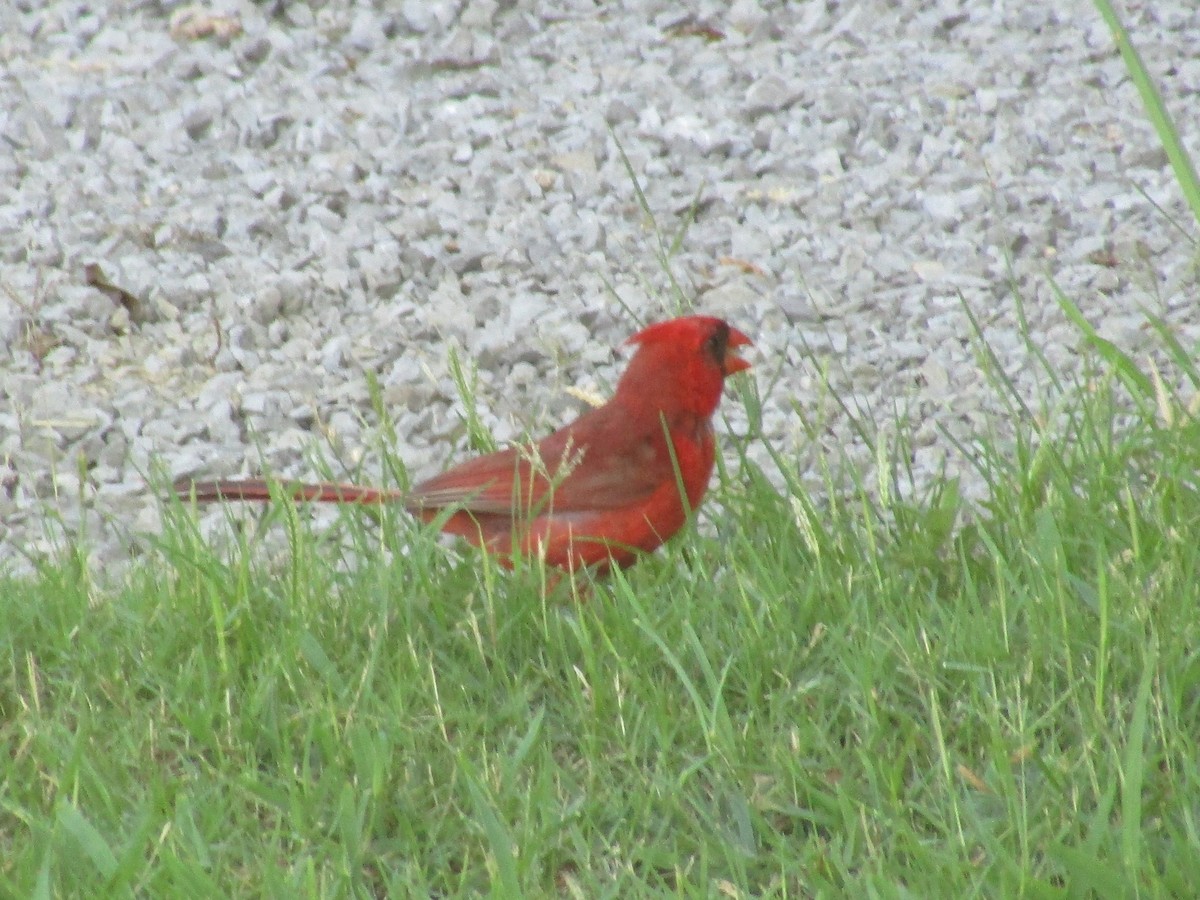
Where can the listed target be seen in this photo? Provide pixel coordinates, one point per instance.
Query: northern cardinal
(617, 482)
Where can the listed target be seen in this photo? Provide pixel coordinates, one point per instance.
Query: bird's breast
(694, 448)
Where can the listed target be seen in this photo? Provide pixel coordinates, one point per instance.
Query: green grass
(845, 692)
(836, 696)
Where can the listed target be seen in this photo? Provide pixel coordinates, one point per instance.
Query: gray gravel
(214, 221)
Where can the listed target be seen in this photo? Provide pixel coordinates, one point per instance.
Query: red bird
(618, 481)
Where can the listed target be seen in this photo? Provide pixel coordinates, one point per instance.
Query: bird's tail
(259, 490)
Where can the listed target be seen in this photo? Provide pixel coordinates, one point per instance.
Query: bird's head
(681, 364)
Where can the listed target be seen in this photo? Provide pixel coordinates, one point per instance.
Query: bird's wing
(600, 461)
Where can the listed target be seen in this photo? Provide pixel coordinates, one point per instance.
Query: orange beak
(733, 362)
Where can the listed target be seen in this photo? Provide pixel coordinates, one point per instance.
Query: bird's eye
(715, 345)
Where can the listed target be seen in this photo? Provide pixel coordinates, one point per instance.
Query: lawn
(852, 689)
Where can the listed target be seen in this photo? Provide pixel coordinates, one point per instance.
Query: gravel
(216, 221)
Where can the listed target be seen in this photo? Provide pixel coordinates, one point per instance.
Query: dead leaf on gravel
(191, 23)
(94, 276)
(691, 27)
(743, 264)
